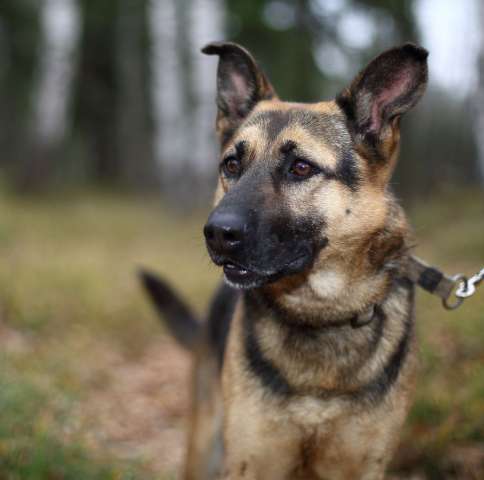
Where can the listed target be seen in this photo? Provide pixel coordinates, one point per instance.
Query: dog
(306, 366)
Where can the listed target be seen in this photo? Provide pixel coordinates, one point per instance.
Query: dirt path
(141, 412)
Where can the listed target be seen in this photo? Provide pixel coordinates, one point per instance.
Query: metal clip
(468, 287)
(465, 289)
(458, 301)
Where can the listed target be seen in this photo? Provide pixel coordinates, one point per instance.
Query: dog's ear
(240, 85)
(387, 88)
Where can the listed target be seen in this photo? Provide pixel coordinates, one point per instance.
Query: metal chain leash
(465, 289)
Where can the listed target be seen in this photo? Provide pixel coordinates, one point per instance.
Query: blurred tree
(204, 151)
(438, 150)
(401, 14)
(19, 41)
(168, 90)
(183, 86)
(136, 165)
(479, 105)
(97, 87)
(281, 36)
(50, 95)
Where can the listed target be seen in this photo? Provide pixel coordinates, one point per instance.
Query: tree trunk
(51, 94)
(170, 133)
(19, 40)
(479, 102)
(97, 90)
(184, 96)
(137, 168)
(206, 24)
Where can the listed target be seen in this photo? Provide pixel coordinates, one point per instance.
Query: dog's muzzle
(226, 237)
(252, 256)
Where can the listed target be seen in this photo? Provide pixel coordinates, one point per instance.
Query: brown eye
(301, 169)
(232, 167)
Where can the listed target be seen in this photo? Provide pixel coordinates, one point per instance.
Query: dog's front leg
(258, 448)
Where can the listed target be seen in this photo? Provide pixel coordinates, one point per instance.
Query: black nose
(224, 231)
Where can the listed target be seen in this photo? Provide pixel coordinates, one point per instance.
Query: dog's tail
(177, 316)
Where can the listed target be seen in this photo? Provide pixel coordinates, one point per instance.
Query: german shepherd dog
(313, 330)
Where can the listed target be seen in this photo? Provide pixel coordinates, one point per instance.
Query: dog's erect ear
(240, 85)
(389, 86)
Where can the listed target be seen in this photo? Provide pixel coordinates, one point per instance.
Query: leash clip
(452, 305)
(444, 286)
(466, 288)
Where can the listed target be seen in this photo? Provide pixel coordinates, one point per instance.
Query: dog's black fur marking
(378, 327)
(240, 149)
(262, 368)
(275, 121)
(220, 318)
(347, 171)
(226, 136)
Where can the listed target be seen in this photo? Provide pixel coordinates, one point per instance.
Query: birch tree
(60, 34)
(479, 121)
(183, 90)
(51, 93)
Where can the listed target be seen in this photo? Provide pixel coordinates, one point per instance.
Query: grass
(69, 297)
(29, 450)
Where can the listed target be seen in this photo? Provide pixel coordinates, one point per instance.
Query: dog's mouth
(252, 272)
(240, 276)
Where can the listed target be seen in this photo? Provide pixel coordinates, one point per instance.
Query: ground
(92, 388)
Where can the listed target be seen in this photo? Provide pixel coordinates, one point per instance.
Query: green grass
(68, 287)
(30, 450)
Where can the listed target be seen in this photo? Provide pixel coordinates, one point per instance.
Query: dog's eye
(232, 167)
(301, 169)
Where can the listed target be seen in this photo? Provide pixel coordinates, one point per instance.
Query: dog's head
(302, 182)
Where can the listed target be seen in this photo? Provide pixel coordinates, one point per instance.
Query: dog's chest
(335, 433)
(311, 413)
